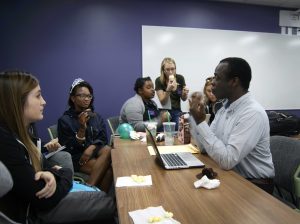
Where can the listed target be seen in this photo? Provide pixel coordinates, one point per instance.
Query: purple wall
(100, 41)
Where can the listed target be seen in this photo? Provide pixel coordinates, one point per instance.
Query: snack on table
(138, 179)
(154, 219)
(168, 215)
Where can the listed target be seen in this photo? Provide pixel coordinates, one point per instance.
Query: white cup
(152, 127)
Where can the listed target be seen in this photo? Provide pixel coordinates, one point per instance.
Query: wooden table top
(236, 200)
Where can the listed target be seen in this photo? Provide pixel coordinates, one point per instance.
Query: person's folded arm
(63, 178)
(23, 175)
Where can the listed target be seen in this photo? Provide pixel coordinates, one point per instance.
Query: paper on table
(142, 216)
(174, 148)
(129, 182)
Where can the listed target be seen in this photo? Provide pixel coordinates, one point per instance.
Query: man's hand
(197, 109)
(50, 186)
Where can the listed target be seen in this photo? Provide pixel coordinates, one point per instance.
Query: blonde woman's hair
(208, 82)
(14, 89)
(162, 68)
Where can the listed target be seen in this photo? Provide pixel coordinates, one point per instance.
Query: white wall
(274, 59)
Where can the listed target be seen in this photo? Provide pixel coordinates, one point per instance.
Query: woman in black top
(171, 86)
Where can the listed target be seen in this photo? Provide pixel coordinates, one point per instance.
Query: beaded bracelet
(80, 139)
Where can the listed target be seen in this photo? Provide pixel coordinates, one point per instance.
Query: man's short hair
(238, 67)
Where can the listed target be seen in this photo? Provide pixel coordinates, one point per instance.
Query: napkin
(207, 183)
(145, 216)
(134, 135)
(137, 135)
(133, 181)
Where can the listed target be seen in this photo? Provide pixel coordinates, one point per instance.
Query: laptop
(171, 161)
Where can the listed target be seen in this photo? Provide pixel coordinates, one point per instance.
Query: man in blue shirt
(238, 138)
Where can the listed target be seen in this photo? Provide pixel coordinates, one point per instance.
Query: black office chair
(286, 158)
(6, 184)
(52, 130)
(113, 123)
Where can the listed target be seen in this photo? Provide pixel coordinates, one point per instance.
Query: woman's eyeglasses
(84, 96)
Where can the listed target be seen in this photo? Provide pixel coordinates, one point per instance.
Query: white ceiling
(277, 3)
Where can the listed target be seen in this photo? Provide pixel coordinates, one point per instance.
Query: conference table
(236, 200)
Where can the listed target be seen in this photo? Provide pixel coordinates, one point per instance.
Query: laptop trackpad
(190, 159)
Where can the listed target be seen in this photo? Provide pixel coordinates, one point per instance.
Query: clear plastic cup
(169, 130)
(152, 127)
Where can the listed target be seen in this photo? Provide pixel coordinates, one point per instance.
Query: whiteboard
(274, 60)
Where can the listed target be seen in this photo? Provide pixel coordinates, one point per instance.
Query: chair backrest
(6, 220)
(113, 123)
(286, 158)
(52, 130)
(7, 210)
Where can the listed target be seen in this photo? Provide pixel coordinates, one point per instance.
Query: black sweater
(15, 157)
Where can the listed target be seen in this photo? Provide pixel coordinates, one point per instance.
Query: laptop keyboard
(173, 160)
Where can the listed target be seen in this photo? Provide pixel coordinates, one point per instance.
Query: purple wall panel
(100, 41)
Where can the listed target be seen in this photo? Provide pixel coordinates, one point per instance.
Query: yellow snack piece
(133, 176)
(150, 220)
(157, 219)
(141, 179)
(138, 179)
(154, 219)
(168, 215)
